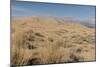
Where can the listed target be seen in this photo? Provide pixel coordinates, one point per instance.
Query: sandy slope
(37, 40)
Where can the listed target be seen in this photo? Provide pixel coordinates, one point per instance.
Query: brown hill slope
(37, 40)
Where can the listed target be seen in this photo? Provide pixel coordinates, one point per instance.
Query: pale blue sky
(47, 9)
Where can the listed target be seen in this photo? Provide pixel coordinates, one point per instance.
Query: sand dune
(37, 40)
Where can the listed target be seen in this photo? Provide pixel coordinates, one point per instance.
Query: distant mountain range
(91, 23)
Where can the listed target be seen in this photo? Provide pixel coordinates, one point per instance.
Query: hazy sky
(47, 9)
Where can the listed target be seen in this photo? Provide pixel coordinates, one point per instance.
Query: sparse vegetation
(40, 41)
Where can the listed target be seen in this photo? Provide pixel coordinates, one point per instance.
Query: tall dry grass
(45, 41)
